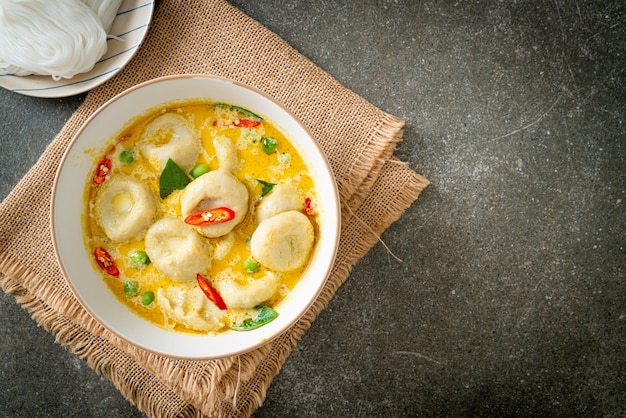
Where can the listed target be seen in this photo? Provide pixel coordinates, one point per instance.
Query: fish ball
(213, 190)
(176, 250)
(283, 242)
(125, 207)
(170, 136)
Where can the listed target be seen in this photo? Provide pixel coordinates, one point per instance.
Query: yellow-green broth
(285, 163)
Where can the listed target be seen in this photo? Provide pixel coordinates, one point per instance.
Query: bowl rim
(327, 168)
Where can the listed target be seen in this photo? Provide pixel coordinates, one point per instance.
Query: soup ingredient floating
(60, 38)
(208, 227)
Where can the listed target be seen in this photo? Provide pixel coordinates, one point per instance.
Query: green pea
(147, 298)
(127, 156)
(199, 170)
(131, 288)
(251, 265)
(139, 259)
(268, 144)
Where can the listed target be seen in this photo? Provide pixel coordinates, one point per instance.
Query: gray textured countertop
(511, 296)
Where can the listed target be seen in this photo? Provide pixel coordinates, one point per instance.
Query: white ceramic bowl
(67, 209)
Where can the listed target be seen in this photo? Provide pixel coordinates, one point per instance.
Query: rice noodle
(105, 9)
(60, 38)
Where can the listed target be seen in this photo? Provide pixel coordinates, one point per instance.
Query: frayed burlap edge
(234, 386)
(369, 236)
(232, 389)
(237, 383)
(390, 127)
(127, 375)
(235, 393)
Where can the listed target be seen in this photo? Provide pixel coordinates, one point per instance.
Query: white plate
(77, 167)
(129, 29)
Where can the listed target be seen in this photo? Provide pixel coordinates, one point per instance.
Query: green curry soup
(200, 217)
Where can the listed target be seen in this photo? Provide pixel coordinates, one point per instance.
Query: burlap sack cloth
(210, 37)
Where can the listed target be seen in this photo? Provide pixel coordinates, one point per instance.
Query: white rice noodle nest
(105, 9)
(60, 38)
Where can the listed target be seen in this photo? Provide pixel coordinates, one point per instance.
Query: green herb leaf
(264, 316)
(239, 110)
(267, 186)
(172, 178)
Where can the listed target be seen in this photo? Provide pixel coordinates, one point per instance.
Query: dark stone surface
(510, 299)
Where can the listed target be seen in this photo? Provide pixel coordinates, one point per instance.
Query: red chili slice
(106, 262)
(309, 208)
(102, 171)
(210, 216)
(210, 292)
(246, 123)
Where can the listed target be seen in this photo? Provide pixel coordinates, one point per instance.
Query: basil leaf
(267, 186)
(264, 316)
(172, 178)
(239, 110)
